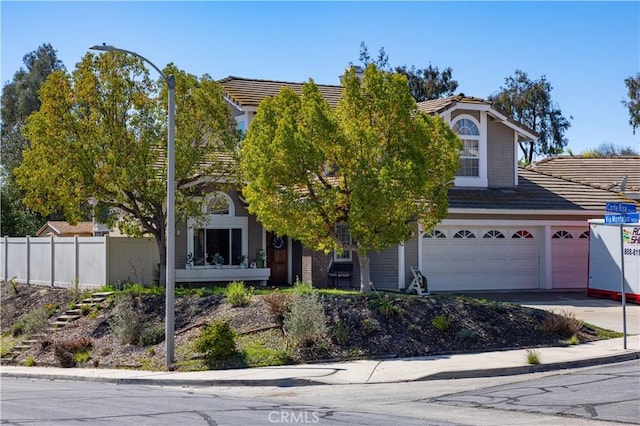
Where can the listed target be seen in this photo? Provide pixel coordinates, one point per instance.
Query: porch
(213, 274)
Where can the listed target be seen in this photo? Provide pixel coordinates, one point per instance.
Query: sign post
(625, 213)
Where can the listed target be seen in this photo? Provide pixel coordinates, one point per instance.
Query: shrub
(370, 326)
(126, 324)
(152, 334)
(237, 294)
(441, 322)
(277, 302)
(533, 356)
(65, 351)
(305, 322)
(562, 325)
(29, 362)
(216, 341)
(468, 335)
(341, 331)
(34, 321)
(85, 309)
(386, 306)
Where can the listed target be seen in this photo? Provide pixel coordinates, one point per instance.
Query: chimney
(357, 68)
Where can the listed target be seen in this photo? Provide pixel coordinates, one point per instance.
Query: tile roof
(603, 173)
(250, 92)
(65, 229)
(436, 106)
(535, 191)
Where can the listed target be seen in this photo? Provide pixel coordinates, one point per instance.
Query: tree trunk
(365, 273)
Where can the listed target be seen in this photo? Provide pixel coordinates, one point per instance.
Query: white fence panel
(40, 260)
(90, 262)
(15, 258)
(65, 261)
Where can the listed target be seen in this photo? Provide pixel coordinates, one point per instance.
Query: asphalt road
(598, 395)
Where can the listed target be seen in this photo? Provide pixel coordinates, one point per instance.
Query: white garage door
(476, 258)
(569, 257)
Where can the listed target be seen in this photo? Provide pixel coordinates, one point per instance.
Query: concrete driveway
(604, 313)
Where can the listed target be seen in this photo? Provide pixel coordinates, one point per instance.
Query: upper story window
(219, 204)
(342, 231)
(470, 153)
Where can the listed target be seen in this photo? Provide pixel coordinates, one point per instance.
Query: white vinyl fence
(90, 262)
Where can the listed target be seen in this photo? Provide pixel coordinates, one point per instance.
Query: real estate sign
(605, 259)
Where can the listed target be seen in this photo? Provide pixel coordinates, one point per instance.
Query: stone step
(73, 312)
(103, 294)
(10, 355)
(58, 324)
(68, 318)
(30, 342)
(21, 348)
(92, 301)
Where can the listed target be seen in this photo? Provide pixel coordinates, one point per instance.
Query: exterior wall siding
(501, 167)
(474, 114)
(410, 259)
(384, 268)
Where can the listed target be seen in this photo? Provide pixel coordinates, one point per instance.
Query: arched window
(465, 233)
(219, 204)
(493, 234)
(435, 234)
(468, 131)
(522, 234)
(562, 234)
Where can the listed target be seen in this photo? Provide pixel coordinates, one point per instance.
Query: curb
(293, 382)
(527, 369)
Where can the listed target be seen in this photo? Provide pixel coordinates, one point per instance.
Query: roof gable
(460, 101)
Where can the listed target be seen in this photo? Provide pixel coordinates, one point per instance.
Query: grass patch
(7, 342)
(533, 356)
(441, 322)
(264, 349)
(574, 340)
(29, 362)
(603, 333)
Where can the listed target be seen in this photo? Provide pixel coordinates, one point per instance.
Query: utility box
(605, 260)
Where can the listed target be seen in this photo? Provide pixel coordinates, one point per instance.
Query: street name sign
(620, 207)
(621, 218)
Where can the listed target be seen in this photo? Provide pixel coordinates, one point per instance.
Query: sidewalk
(358, 372)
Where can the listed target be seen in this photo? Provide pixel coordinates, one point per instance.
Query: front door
(277, 256)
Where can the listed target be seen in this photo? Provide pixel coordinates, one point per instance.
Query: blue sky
(585, 49)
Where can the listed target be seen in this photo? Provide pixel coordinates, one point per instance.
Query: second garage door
(455, 259)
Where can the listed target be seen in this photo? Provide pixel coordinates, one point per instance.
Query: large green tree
(19, 99)
(101, 133)
(424, 84)
(633, 103)
(374, 164)
(529, 102)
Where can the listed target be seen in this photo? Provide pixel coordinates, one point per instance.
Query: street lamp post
(171, 207)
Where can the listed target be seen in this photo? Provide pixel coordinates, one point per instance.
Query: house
(508, 228)
(65, 229)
